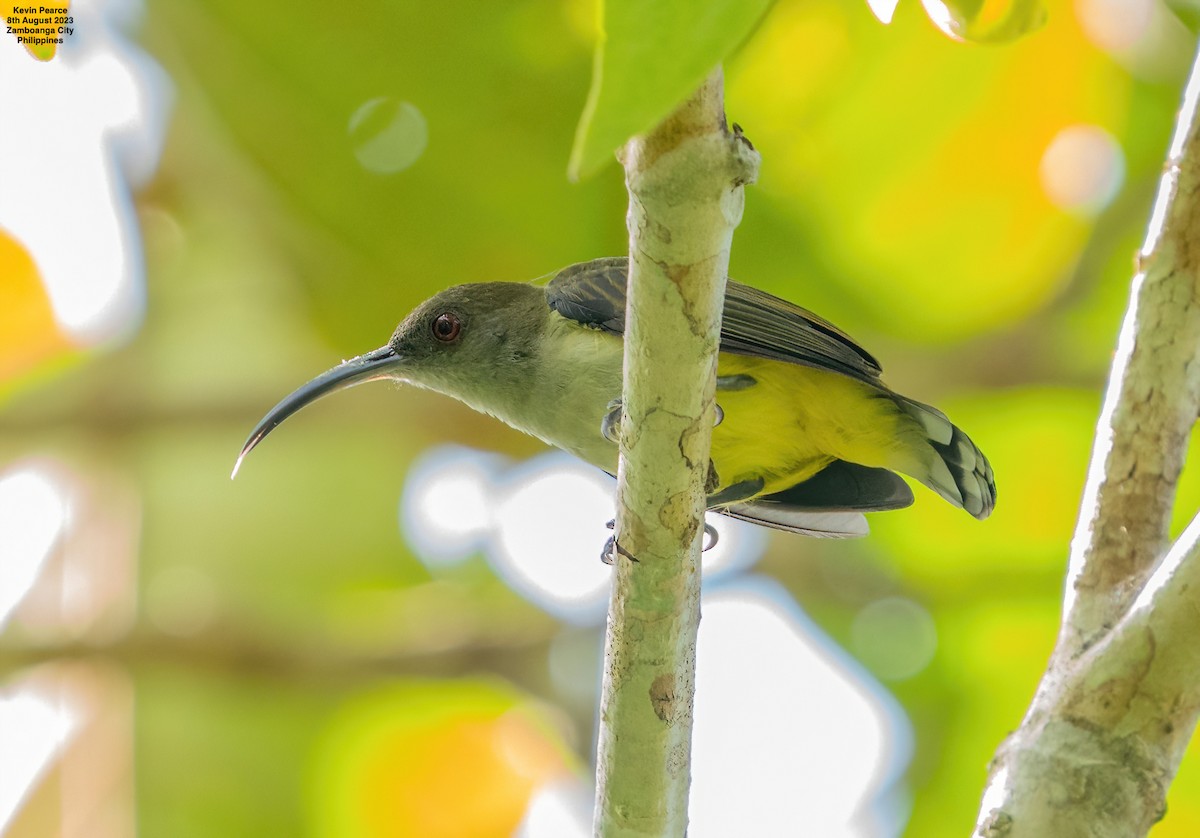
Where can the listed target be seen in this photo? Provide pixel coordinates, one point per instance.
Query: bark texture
(1107, 728)
(685, 183)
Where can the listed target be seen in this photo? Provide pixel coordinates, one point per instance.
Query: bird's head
(462, 342)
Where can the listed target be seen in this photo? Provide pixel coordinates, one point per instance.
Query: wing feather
(755, 323)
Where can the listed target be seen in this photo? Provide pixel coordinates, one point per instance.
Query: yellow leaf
(29, 334)
(436, 759)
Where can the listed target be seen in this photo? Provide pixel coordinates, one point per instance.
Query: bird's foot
(612, 548)
(610, 425)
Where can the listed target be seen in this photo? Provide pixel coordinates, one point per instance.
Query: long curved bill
(369, 367)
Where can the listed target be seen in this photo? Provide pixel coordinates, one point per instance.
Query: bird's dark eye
(446, 327)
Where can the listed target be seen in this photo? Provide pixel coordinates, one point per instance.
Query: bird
(808, 437)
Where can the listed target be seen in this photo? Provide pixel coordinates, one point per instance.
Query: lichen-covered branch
(1105, 736)
(1149, 409)
(1105, 733)
(685, 183)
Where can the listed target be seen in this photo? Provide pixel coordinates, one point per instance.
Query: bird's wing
(812, 524)
(828, 505)
(754, 323)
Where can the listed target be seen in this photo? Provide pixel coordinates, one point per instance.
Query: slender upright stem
(1106, 731)
(685, 181)
(1149, 409)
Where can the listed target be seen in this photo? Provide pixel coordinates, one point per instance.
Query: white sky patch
(942, 17)
(446, 509)
(34, 726)
(34, 514)
(787, 726)
(788, 730)
(541, 525)
(549, 534)
(77, 133)
(883, 9)
(559, 809)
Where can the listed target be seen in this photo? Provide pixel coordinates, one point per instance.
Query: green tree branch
(685, 181)
(1117, 705)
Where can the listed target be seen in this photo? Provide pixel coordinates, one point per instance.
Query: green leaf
(650, 56)
(990, 22)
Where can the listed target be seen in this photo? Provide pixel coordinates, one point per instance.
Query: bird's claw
(613, 548)
(610, 425)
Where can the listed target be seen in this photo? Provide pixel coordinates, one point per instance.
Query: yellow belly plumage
(782, 425)
(795, 420)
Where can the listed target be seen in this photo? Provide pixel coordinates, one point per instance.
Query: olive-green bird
(808, 436)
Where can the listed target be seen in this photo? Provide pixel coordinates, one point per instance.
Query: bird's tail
(957, 470)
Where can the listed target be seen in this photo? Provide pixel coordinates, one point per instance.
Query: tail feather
(960, 473)
(813, 523)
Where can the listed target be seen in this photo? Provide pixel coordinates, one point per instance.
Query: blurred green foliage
(901, 196)
(649, 57)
